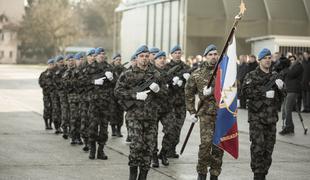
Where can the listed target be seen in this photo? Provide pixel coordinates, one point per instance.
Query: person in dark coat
(306, 83)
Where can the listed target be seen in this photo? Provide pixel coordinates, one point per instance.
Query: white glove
(99, 81)
(180, 82)
(142, 95)
(270, 94)
(154, 87)
(207, 91)
(193, 118)
(279, 83)
(109, 75)
(175, 80)
(186, 76)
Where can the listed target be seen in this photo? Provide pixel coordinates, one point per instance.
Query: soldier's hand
(99, 81)
(180, 82)
(109, 75)
(186, 76)
(175, 80)
(279, 83)
(207, 91)
(193, 118)
(270, 94)
(154, 87)
(142, 95)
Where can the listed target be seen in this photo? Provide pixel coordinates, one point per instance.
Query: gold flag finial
(242, 10)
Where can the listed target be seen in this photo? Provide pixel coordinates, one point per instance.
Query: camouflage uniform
(262, 116)
(177, 99)
(45, 82)
(209, 155)
(141, 117)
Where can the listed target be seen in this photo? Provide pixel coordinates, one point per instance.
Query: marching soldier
(57, 89)
(141, 115)
(209, 155)
(262, 114)
(177, 97)
(117, 117)
(45, 82)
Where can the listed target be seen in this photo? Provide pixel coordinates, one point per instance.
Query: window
(11, 54)
(2, 36)
(1, 54)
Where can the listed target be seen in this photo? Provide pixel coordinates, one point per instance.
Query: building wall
(14, 9)
(8, 47)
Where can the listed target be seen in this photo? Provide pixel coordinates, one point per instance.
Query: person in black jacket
(293, 86)
(241, 72)
(306, 83)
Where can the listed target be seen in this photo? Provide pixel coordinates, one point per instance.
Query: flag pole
(238, 17)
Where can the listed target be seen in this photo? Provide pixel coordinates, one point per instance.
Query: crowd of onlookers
(295, 72)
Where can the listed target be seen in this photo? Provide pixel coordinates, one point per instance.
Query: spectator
(252, 64)
(306, 83)
(241, 72)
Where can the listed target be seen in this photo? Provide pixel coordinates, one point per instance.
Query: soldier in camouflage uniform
(57, 87)
(262, 114)
(70, 81)
(117, 117)
(176, 93)
(45, 82)
(141, 115)
(164, 114)
(209, 155)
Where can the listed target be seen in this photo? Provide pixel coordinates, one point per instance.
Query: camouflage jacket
(68, 79)
(195, 85)
(124, 90)
(57, 78)
(45, 81)
(176, 93)
(260, 107)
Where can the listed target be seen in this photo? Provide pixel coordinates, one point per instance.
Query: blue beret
(142, 49)
(160, 54)
(90, 52)
(78, 55)
(263, 53)
(51, 61)
(99, 50)
(133, 57)
(59, 58)
(116, 56)
(69, 56)
(154, 50)
(176, 48)
(211, 47)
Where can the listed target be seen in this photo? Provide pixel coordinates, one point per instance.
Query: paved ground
(27, 151)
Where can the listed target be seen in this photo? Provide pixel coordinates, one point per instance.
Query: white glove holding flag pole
(154, 87)
(142, 95)
(270, 94)
(175, 80)
(207, 91)
(279, 83)
(99, 81)
(193, 118)
(109, 75)
(186, 76)
(180, 82)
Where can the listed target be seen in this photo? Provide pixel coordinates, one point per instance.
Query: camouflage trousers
(117, 115)
(84, 114)
(47, 107)
(263, 138)
(75, 120)
(179, 114)
(56, 112)
(142, 133)
(168, 129)
(64, 105)
(209, 155)
(98, 121)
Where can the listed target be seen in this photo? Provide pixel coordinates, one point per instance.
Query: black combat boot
(164, 159)
(155, 162)
(73, 141)
(113, 130)
(100, 153)
(118, 131)
(86, 145)
(46, 124)
(133, 172)
(213, 177)
(287, 131)
(49, 124)
(92, 152)
(79, 140)
(58, 130)
(201, 176)
(128, 139)
(172, 154)
(142, 174)
(65, 135)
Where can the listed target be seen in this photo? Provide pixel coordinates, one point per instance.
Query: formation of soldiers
(83, 94)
